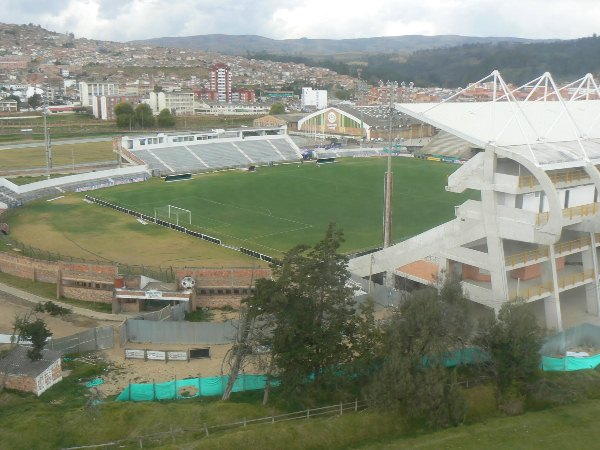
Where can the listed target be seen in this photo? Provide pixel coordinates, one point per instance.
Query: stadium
(249, 191)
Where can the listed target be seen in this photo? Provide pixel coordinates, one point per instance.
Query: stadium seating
(205, 156)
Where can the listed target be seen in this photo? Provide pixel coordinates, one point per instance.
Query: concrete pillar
(552, 302)
(494, 242)
(592, 291)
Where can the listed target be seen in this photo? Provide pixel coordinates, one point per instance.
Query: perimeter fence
(99, 338)
(180, 435)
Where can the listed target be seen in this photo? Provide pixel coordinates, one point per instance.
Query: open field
(62, 155)
(268, 211)
(275, 208)
(78, 125)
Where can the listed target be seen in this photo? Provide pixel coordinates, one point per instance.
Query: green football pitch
(277, 207)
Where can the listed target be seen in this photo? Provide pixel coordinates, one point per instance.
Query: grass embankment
(60, 418)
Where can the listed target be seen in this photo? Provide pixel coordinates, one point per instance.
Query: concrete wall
(170, 332)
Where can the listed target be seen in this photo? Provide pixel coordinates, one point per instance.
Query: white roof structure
(552, 127)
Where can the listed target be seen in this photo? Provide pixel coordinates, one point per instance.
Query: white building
(179, 103)
(313, 98)
(87, 91)
(535, 233)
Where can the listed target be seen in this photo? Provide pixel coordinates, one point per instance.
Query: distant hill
(250, 44)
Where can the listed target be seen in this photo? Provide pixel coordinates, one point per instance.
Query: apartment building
(220, 81)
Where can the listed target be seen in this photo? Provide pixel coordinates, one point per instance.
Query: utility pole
(360, 98)
(389, 176)
(47, 133)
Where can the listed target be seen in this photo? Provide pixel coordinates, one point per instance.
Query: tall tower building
(220, 81)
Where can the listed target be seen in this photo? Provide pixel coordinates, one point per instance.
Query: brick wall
(48, 271)
(217, 301)
(25, 267)
(238, 277)
(88, 295)
(20, 383)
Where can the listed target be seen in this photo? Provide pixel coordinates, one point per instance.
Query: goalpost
(171, 211)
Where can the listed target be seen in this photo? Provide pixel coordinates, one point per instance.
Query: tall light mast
(389, 176)
(47, 133)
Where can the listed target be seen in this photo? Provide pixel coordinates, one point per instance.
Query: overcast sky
(123, 20)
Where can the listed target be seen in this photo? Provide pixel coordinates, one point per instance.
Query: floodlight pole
(360, 98)
(47, 134)
(389, 176)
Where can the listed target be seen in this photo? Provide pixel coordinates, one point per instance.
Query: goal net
(174, 214)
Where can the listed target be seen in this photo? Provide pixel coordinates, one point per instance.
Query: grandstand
(12, 195)
(201, 152)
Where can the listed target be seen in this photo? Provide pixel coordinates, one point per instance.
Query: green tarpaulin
(190, 388)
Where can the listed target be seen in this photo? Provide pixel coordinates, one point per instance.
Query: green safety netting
(585, 335)
(570, 363)
(190, 388)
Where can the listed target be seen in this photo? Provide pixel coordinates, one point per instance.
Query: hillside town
(72, 71)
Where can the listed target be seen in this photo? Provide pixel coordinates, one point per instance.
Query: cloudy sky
(123, 20)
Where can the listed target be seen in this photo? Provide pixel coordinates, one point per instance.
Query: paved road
(32, 298)
(62, 142)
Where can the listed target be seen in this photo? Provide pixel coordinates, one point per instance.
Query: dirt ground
(120, 371)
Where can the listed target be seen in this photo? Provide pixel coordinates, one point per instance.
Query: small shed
(23, 374)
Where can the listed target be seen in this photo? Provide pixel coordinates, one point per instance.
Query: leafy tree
(125, 115)
(513, 341)
(157, 88)
(343, 94)
(35, 100)
(165, 118)
(35, 331)
(277, 108)
(367, 343)
(413, 378)
(310, 314)
(143, 115)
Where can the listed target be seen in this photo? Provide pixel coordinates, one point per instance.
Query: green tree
(144, 116)
(32, 330)
(342, 94)
(513, 341)
(125, 115)
(277, 108)
(413, 379)
(310, 313)
(35, 100)
(165, 118)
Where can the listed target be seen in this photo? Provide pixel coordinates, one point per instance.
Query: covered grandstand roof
(552, 127)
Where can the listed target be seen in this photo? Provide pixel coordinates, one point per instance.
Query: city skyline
(125, 20)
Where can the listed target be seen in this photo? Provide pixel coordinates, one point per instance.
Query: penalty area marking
(55, 198)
